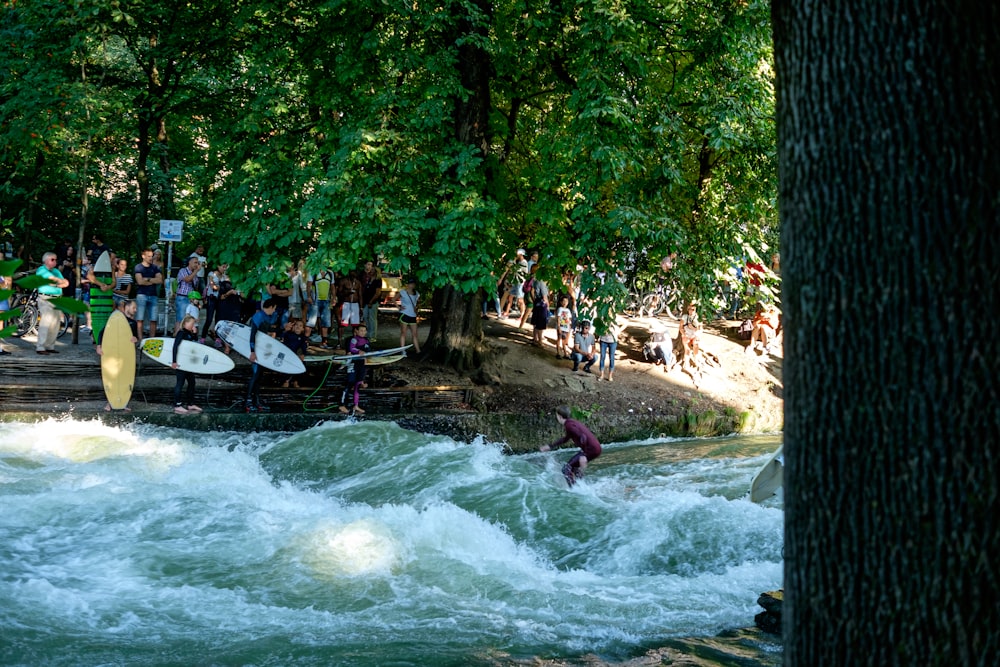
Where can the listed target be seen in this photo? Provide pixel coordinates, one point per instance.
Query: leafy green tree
(440, 139)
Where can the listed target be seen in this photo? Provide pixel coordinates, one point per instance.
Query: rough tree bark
(889, 122)
(456, 334)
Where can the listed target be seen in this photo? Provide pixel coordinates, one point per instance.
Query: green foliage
(615, 133)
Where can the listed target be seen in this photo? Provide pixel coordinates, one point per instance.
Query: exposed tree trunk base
(456, 336)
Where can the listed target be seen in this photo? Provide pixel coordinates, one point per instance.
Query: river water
(366, 544)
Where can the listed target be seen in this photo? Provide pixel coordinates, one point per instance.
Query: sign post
(170, 231)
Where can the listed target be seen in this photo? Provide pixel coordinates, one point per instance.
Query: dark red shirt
(583, 438)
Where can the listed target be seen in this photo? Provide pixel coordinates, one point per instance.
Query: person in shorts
(148, 278)
(408, 318)
(564, 328)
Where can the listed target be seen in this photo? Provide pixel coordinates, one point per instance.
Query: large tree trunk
(456, 336)
(889, 120)
(456, 328)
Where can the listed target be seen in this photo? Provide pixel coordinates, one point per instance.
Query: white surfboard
(271, 353)
(382, 360)
(769, 478)
(192, 357)
(373, 354)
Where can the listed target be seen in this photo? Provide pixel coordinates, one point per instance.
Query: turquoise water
(365, 544)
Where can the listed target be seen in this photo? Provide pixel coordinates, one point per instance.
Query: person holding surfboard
(261, 321)
(187, 332)
(128, 309)
(589, 446)
(356, 369)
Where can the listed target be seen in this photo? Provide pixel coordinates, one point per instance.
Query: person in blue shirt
(262, 320)
(48, 324)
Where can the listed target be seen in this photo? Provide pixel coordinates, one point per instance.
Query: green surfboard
(101, 303)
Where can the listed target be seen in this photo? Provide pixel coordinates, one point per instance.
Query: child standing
(356, 370)
(187, 332)
(294, 337)
(564, 327)
(193, 309)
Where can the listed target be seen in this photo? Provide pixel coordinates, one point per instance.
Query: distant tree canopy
(604, 134)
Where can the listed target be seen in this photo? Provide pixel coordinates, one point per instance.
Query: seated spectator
(583, 348)
(691, 330)
(659, 349)
(765, 328)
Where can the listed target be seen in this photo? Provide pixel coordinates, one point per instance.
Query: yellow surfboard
(118, 361)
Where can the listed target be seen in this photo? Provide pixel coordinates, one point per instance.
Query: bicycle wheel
(27, 322)
(652, 305)
(633, 304)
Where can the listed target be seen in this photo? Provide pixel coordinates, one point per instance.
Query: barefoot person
(355, 371)
(590, 448)
(408, 299)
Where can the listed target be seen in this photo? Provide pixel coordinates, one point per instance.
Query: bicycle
(661, 299)
(27, 321)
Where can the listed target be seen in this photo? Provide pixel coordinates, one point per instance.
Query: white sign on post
(171, 230)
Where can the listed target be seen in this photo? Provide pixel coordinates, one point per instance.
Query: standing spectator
(517, 270)
(309, 308)
(297, 293)
(123, 281)
(188, 331)
(280, 292)
(609, 345)
(539, 308)
(212, 282)
(158, 259)
(48, 324)
(6, 283)
(564, 327)
(230, 307)
(187, 282)
(371, 295)
(323, 282)
(194, 307)
(98, 247)
(408, 299)
(349, 293)
(199, 254)
(148, 278)
(583, 348)
(67, 267)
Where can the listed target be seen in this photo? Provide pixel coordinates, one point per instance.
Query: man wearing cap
(518, 270)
